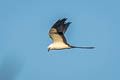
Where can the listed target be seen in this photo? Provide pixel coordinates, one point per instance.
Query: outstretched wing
(58, 30)
(61, 25)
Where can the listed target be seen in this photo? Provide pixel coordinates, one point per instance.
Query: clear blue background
(24, 27)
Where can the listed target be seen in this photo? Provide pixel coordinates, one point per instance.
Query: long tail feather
(83, 47)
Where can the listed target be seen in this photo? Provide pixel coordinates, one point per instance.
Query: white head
(50, 47)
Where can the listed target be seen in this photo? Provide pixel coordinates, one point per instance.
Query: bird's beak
(48, 49)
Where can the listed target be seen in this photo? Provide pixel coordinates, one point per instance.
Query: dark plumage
(61, 25)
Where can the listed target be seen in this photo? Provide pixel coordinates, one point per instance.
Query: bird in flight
(57, 32)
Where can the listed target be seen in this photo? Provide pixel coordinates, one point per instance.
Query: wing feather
(57, 36)
(61, 25)
(58, 30)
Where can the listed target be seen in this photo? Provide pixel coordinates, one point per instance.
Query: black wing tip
(63, 19)
(61, 22)
(69, 22)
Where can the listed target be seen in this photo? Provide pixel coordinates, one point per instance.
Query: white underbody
(58, 45)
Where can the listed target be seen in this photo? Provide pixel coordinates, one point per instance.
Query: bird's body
(57, 32)
(59, 46)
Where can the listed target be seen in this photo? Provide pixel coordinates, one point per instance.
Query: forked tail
(83, 47)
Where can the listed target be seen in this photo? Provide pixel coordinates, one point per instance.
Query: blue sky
(24, 27)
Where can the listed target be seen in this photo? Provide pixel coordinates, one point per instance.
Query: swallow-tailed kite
(57, 32)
